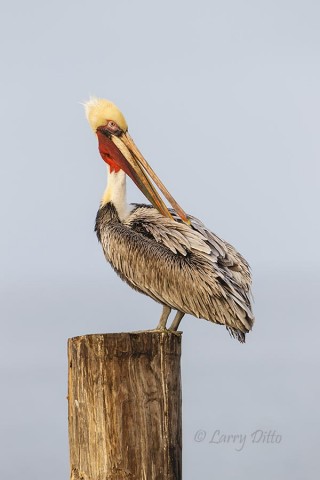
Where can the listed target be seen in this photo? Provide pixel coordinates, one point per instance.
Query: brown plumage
(188, 269)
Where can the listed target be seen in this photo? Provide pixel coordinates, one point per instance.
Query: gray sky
(223, 99)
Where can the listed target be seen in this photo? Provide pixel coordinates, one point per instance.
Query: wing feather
(194, 271)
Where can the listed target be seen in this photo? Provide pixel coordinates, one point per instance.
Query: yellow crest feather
(99, 111)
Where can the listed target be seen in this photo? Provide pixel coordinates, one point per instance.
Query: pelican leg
(164, 317)
(176, 321)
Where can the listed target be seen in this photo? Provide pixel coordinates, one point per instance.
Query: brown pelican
(164, 253)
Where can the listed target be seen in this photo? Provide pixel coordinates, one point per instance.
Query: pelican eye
(112, 127)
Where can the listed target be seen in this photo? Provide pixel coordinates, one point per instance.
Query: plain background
(222, 97)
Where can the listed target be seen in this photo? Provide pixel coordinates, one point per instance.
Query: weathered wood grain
(125, 406)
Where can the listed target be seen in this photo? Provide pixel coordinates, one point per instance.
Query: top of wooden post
(131, 343)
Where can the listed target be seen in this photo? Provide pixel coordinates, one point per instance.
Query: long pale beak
(127, 140)
(134, 164)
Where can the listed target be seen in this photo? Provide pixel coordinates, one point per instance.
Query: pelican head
(119, 151)
(99, 109)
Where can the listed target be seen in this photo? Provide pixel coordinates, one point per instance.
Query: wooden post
(124, 395)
